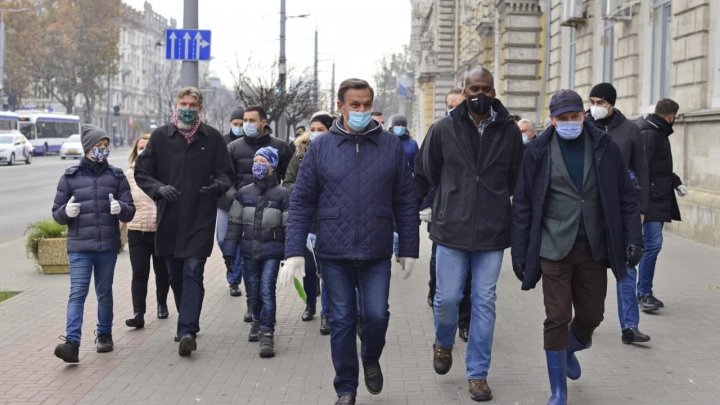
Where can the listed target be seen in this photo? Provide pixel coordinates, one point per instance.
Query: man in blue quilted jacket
(355, 181)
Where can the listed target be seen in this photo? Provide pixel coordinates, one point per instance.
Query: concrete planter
(52, 255)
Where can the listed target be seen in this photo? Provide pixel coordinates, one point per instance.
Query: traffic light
(116, 110)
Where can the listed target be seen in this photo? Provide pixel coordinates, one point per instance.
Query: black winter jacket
(95, 229)
(662, 202)
(471, 206)
(619, 202)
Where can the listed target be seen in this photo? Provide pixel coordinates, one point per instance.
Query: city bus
(8, 121)
(48, 131)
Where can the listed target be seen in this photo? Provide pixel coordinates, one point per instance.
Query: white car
(72, 148)
(15, 147)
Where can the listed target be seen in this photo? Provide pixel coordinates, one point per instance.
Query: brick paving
(681, 365)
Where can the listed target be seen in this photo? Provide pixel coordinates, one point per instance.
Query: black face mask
(480, 104)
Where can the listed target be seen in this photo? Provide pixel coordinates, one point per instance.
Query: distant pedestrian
(399, 127)
(141, 242)
(575, 213)
(527, 128)
(354, 181)
(663, 207)
(236, 126)
(454, 98)
(378, 117)
(185, 168)
(91, 198)
(257, 230)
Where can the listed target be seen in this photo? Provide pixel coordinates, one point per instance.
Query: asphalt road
(27, 191)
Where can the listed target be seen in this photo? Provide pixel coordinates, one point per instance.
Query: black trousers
(464, 311)
(142, 249)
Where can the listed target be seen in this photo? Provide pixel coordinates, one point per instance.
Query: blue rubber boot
(573, 365)
(557, 369)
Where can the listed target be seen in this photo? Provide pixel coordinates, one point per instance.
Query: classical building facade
(648, 49)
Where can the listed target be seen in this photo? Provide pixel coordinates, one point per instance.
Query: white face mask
(599, 112)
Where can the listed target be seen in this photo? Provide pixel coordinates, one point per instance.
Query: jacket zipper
(357, 202)
(97, 213)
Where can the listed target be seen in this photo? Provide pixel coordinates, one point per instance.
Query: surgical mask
(359, 120)
(261, 171)
(569, 130)
(526, 140)
(399, 131)
(599, 112)
(480, 104)
(237, 131)
(100, 154)
(314, 135)
(187, 115)
(250, 129)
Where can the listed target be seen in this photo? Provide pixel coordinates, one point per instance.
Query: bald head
(479, 73)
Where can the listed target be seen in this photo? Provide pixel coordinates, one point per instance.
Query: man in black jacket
(627, 136)
(471, 159)
(574, 213)
(662, 205)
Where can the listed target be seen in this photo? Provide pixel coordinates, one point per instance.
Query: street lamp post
(282, 60)
(189, 70)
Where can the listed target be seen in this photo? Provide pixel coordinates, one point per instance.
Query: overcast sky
(355, 33)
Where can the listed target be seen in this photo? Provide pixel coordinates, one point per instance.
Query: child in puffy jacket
(92, 197)
(256, 224)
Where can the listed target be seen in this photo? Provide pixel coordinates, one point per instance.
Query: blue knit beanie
(270, 154)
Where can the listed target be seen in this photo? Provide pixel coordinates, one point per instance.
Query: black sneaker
(267, 346)
(345, 399)
(373, 378)
(235, 290)
(646, 304)
(309, 312)
(324, 325)
(137, 321)
(656, 301)
(104, 342)
(633, 335)
(253, 336)
(68, 351)
(187, 345)
(247, 318)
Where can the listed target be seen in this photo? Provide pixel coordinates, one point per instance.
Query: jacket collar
(462, 113)
(596, 136)
(201, 130)
(615, 120)
(259, 140)
(371, 132)
(659, 123)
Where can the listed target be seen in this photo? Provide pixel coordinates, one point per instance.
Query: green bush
(44, 229)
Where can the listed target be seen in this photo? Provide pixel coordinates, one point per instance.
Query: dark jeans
(465, 310)
(311, 281)
(579, 282)
(260, 282)
(372, 281)
(186, 281)
(653, 237)
(142, 249)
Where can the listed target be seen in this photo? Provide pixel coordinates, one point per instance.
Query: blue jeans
(186, 281)
(260, 282)
(453, 266)
(628, 311)
(82, 266)
(372, 281)
(653, 238)
(234, 276)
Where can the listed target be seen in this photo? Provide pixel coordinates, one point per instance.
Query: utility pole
(332, 91)
(282, 62)
(189, 71)
(316, 89)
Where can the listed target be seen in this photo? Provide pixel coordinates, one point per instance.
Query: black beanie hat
(605, 91)
(91, 135)
(324, 119)
(399, 121)
(237, 114)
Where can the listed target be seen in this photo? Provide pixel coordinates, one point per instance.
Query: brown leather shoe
(442, 359)
(480, 390)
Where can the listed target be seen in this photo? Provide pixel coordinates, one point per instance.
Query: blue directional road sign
(187, 44)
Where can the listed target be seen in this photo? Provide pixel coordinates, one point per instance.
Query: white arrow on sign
(186, 37)
(199, 44)
(173, 37)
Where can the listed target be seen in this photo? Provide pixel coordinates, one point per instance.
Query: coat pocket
(328, 213)
(660, 187)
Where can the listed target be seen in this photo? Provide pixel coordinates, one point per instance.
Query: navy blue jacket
(257, 220)
(354, 184)
(95, 229)
(620, 204)
(410, 147)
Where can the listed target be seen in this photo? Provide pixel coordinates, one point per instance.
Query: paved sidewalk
(681, 365)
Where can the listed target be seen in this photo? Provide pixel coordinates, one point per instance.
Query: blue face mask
(99, 154)
(250, 129)
(261, 171)
(187, 115)
(569, 130)
(313, 135)
(359, 120)
(399, 131)
(237, 131)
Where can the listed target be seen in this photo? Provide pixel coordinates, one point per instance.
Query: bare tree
(391, 69)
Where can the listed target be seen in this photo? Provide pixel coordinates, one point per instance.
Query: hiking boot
(254, 332)
(479, 390)
(104, 342)
(309, 312)
(647, 304)
(67, 351)
(187, 345)
(137, 321)
(442, 359)
(267, 346)
(324, 325)
(235, 290)
(373, 378)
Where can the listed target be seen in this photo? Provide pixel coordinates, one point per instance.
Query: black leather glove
(212, 189)
(519, 270)
(229, 261)
(634, 254)
(168, 193)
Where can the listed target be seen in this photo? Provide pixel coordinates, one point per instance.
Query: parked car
(72, 148)
(15, 147)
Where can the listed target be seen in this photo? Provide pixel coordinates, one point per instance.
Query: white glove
(407, 264)
(310, 242)
(681, 190)
(292, 267)
(114, 205)
(426, 214)
(72, 209)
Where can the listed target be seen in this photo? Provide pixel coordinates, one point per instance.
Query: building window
(661, 41)
(608, 42)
